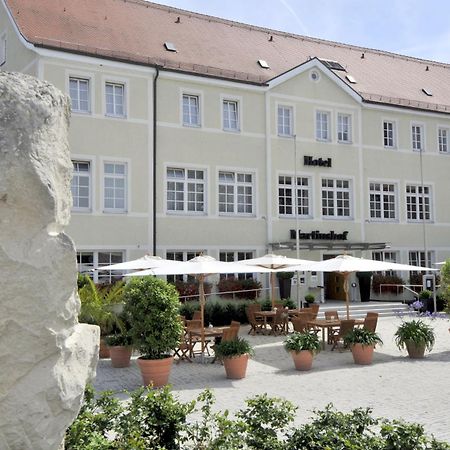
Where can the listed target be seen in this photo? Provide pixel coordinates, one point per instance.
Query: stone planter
(236, 367)
(120, 356)
(362, 354)
(303, 359)
(415, 351)
(155, 371)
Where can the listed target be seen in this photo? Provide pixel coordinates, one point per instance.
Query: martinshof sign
(317, 235)
(310, 161)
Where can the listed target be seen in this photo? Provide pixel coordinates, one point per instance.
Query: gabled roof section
(135, 31)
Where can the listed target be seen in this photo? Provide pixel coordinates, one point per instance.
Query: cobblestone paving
(394, 385)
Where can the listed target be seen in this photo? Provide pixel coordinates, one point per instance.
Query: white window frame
(418, 202)
(383, 200)
(418, 258)
(238, 102)
(443, 144)
(336, 190)
(394, 133)
(89, 175)
(281, 131)
(193, 94)
(327, 114)
(185, 181)
(389, 256)
(125, 102)
(235, 184)
(125, 177)
(96, 275)
(2, 48)
(414, 127)
(299, 187)
(89, 80)
(341, 130)
(186, 255)
(235, 257)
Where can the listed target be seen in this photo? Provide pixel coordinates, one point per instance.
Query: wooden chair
(279, 323)
(193, 340)
(228, 334)
(370, 321)
(197, 315)
(184, 349)
(236, 326)
(314, 309)
(300, 323)
(256, 325)
(332, 315)
(345, 327)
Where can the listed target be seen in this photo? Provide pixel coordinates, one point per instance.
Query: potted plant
(362, 343)
(416, 336)
(309, 299)
(284, 282)
(302, 347)
(152, 307)
(234, 354)
(120, 349)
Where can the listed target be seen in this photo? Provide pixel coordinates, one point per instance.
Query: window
(344, 127)
(2, 49)
(443, 140)
(115, 95)
(382, 201)
(336, 198)
(92, 260)
(115, 187)
(418, 202)
(390, 257)
(81, 185)
(389, 134)
(417, 137)
(79, 94)
(191, 110)
(322, 126)
(230, 256)
(235, 193)
(285, 114)
(182, 256)
(230, 115)
(417, 258)
(286, 201)
(185, 190)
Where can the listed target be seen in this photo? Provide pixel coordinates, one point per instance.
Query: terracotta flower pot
(415, 351)
(120, 356)
(303, 359)
(362, 354)
(104, 349)
(155, 371)
(236, 367)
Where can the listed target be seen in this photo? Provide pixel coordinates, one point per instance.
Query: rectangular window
(418, 202)
(115, 95)
(231, 256)
(182, 256)
(81, 185)
(417, 137)
(235, 193)
(336, 198)
(443, 140)
(285, 115)
(344, 127)
(191, 110)
(185, 190)
(115, 187)
(322, 126)
(388, 134)
(382, 201)
(390, 257)
(417, 258)
(2, 49)
(230, 115)
(79, 94)
(92, 260)
(286, 201)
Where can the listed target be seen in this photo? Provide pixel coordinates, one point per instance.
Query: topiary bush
(232, 285)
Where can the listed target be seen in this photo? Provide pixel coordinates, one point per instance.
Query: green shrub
(230, 349)
(362, 336)
(189, 289)
(415, 331)
(231, 285)
(309, 298)
(378, 280)
(297, 342)
(284, 275)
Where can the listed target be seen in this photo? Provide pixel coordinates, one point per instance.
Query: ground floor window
(391, 257)
(88, 260)
(417, 258)
(232, 256)
(182, 256)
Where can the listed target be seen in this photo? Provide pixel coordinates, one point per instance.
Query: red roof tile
(135, 31)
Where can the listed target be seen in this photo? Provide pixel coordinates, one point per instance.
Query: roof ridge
(286, 34)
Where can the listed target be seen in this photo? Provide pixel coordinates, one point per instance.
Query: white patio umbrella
(145, 262)
(201, 267)
(276, 263)
(347, 264)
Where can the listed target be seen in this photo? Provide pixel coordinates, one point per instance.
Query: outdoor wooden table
(325, 324)
(208, 332)
(271, 314)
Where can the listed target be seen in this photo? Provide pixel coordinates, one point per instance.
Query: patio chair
(300, 323)
(193, 340)
(256, 325)
(228, 334)
(314, 309)
(197, 315)
(280, 322)
(332, 315)
(370, 321)
(184, 349)
(345, 327)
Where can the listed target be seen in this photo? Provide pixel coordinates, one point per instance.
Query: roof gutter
(155, 79)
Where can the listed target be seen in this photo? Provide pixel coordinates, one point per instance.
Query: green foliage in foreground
(156, 420)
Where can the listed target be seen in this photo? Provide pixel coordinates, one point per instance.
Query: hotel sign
(319, 236)
(310, 161)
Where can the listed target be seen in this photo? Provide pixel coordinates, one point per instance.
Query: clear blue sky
(418, 28)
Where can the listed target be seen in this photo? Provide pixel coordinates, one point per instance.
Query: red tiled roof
(135, 31)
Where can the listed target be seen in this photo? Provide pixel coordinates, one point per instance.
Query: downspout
(154, 158)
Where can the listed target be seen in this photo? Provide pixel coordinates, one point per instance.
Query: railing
(407, 287)
(188, 297)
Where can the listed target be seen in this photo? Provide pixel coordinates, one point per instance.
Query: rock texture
(46, 357)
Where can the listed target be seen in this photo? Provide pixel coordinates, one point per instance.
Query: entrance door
(334, 283)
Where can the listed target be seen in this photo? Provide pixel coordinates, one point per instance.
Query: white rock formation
(46, 357)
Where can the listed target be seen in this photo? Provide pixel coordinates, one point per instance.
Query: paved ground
(394, 386)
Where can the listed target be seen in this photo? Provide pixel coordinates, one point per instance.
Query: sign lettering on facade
(310, 161)
(317, 235)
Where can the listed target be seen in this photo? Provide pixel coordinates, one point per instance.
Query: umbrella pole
(201, 293)
(272, 285)
(347, 301)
